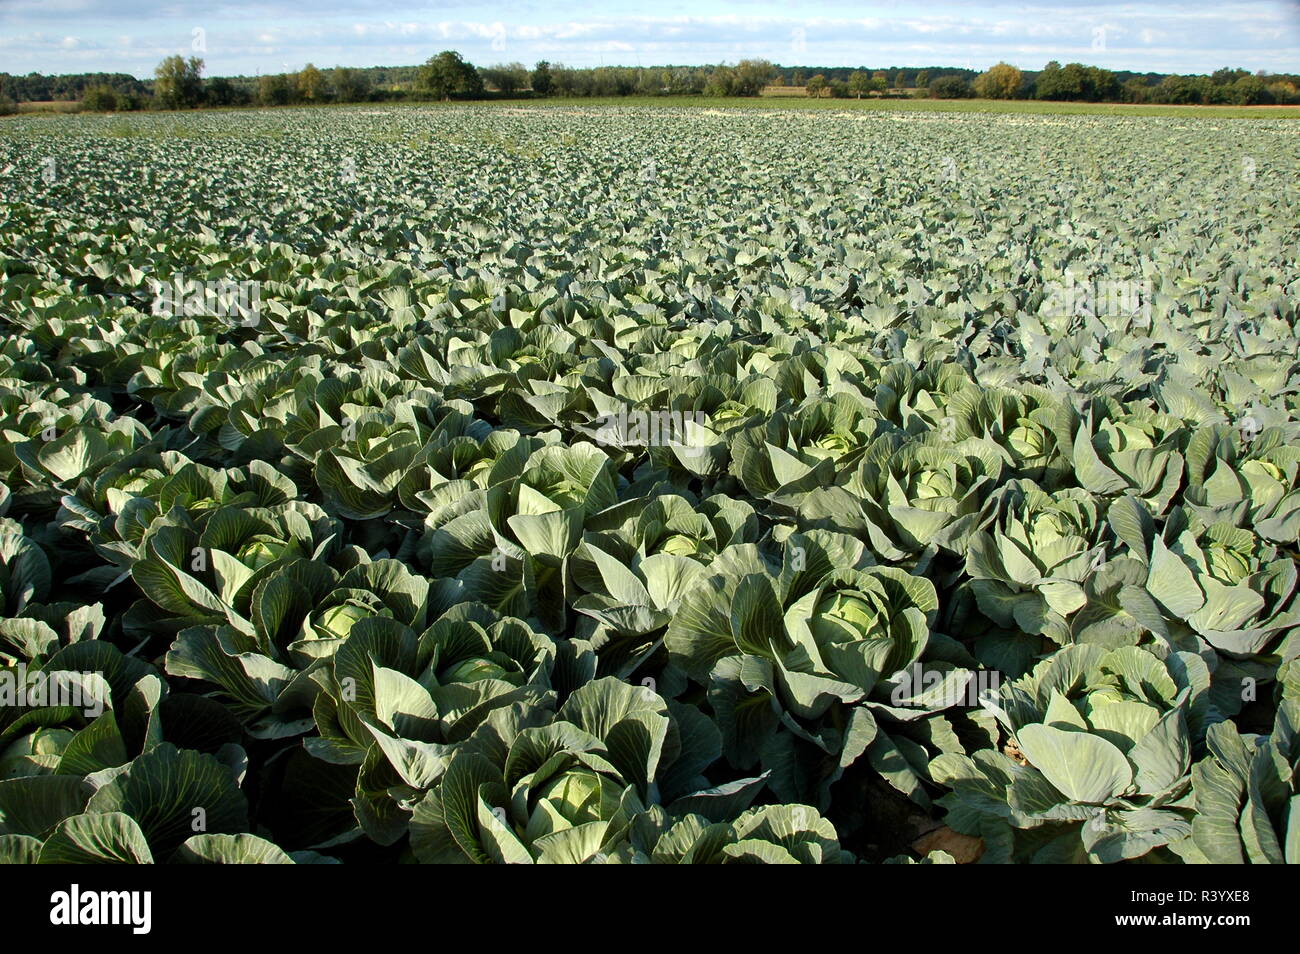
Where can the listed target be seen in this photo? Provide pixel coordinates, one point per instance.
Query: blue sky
(242, 36)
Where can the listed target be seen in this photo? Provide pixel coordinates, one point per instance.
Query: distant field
(49, 106)
(788, 91)
(1033, 107)
(932, 105)
(793, 97)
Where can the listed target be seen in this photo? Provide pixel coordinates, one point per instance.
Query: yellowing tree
(998, 82)
(311, 84)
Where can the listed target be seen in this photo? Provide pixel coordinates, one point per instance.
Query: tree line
(178, 83)
(1075, 82)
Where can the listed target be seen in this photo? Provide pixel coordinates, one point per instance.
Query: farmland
(580, 484)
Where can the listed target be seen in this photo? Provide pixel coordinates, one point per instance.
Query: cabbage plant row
(474, 485)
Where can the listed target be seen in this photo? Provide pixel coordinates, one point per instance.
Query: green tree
(751, 76)
(508, 78)
(859, 83)
(1227, 76)
(1176, 89)
(566, 81)
(721, 82)
(542, 81)
(1136, 90)
(99, 98)
(1248, 91)
(1101, 86)
(816, 85)
(221, 92)
(350, 86)
(1071, 82)
(1204, 90)
(949, 87)
(923, 79)
(274, 90)
(447, 75)
(999, 82)
(1047, 84)
(746, 78)
(178, 82)
(1074, 81)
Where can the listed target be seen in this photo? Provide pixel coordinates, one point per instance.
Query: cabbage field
(649, 485)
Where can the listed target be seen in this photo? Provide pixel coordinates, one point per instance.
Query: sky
(272, 36)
